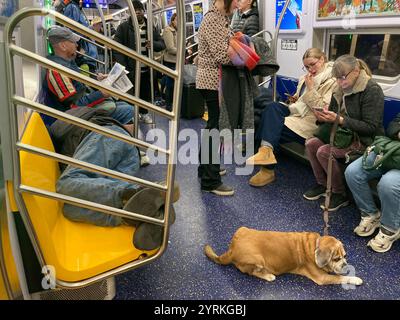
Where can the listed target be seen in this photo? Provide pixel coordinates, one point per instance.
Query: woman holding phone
(296, 120)
(359, 100)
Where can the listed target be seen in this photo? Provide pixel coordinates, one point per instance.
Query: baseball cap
(58, 34)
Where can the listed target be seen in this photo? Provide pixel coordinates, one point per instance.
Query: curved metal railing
(13, 100)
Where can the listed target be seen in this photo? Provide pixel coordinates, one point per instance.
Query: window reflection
(380, 51)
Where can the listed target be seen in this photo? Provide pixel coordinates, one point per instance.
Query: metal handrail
(103, 22)
(275, 45)
(14, 101)
(135, 25)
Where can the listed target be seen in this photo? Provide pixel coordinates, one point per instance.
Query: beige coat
(302, 120)
(169, 36)
(214, 35)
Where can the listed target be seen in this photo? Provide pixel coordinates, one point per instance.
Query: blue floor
(184, 272)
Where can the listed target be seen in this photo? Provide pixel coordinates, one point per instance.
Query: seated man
(113, 154)
(389, 194)
(63, 93)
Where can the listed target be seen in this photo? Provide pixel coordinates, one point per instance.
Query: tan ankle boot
(264, 156)
(262, 178)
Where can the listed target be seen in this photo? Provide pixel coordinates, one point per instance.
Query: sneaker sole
(344, 204)
(315, 197)
(381, 250)
(222, 172)
(367, 234)
(221, 193)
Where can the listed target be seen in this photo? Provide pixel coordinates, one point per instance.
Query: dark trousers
(145, 89)
(272, 127)
(209, 172)
(169, 86)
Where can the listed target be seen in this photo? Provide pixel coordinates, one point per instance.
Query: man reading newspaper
(63, 93)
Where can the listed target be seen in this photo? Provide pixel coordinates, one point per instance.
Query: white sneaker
(383, 242)
(144, 161)
(368, 225)
(146, 118)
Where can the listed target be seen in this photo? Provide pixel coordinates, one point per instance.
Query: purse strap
(379, 159)
(329, 175)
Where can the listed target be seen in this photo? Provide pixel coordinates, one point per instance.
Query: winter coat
(125, 35)
(213, 35)
(362, 108)
(247, 22)
(169, 36)
(394, 128)
(238, 93)
(267, 65)
(302, 119)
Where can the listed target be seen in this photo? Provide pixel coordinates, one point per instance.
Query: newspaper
(118, 79)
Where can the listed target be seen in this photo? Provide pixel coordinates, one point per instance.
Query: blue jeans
(123, 113)
(106, 152)
(388, 190)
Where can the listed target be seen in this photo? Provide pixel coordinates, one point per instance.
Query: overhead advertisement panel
(328, 9)
(293, 16)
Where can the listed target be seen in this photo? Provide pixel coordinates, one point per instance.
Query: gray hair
(346, 63)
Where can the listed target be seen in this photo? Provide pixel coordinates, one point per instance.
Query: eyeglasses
(310, 66)
(344, 77)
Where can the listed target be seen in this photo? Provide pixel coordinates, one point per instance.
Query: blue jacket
(63, 93)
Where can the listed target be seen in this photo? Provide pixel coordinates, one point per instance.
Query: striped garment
(242, 54)
(143, 40)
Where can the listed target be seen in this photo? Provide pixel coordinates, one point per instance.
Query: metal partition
(275, 44)
(10, 133)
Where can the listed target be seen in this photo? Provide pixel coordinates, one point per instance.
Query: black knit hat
(138, 5)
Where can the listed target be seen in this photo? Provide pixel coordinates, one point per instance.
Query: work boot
(262, 178)
(148, 236)
(264, 156)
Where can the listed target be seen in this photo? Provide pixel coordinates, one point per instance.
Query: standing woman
(246, 20)
(359, 101)
(214, 35)
(169, 36)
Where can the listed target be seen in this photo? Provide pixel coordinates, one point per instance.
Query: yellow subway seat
(77, 250)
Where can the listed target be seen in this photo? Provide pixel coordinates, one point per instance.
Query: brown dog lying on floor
(266, 254)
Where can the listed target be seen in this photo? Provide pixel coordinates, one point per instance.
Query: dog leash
(329, 175)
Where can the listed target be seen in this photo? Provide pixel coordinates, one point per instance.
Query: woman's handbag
(387, 151)
(343, 138)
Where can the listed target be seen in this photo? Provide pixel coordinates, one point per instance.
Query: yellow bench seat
(77, 251)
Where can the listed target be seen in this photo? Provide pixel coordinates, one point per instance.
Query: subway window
(381, 51)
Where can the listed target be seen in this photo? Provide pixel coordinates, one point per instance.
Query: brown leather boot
(262, 178)
(264, 156)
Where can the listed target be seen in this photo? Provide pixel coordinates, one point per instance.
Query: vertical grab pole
(103, 22)
(275, 44)
(151, 51)
(176, 103)
(135, 25)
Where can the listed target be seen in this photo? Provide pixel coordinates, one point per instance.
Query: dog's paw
(355, 281)
(270, 277)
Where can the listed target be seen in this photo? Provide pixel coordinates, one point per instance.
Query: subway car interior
(45, 255)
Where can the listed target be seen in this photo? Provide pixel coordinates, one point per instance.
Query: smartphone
(318, 109)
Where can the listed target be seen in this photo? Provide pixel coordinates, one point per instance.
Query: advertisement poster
(198, 15)
(330, 9)
(8, 7)
(293, 14)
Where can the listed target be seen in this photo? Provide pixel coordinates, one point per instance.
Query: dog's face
(330, 255)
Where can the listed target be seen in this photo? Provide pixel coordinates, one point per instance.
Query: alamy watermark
(210, 147)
